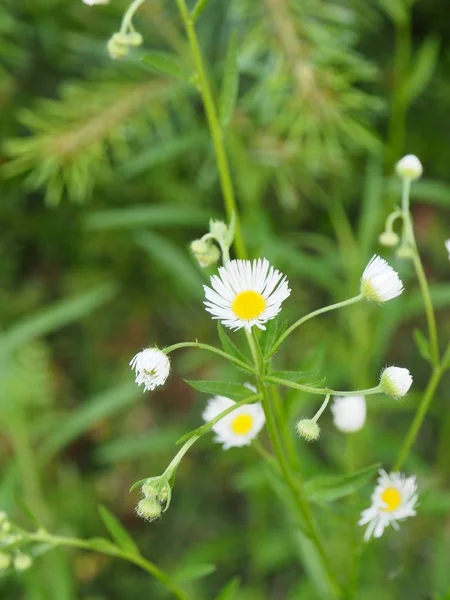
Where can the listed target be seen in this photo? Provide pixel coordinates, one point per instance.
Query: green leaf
(103, 545)
(423, 68)
(167, 63)
(422, 345)
(325, 488)
(157, 215)
(191, 572)
(229, 346)
(199, 7)
(119, 534)
(235, 391)
(229, 592)
(230, 84)
(298, 377)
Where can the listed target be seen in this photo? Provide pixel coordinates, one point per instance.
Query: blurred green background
(107, 174)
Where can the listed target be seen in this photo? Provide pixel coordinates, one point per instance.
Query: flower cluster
(10, 555)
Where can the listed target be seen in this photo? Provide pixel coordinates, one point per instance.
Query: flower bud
(149, 509)
(205, 252)
(389, 239)
(405, 252)
(118, 46)
(308, 429)
(22, 561)
(134, 38)
(409, 167)
(395, 381)
(447, 247)
(5, 561)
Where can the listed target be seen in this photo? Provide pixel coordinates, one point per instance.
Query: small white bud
(151, 367)
(308, 429)
(447, 247)
(94, 2)
(22, 561)
(389, 239)
(149, 509)
(395, 381)
(409, 167)
(205, 252)
(5, 561)
(380, 282)
(118, 46)
(349, 413)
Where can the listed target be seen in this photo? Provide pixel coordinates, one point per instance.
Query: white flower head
(151, 367)
(94, 2)
(447, 246)
(394, 499)
(239, 427)
(349, 413)
(395, 381)
(380, 282)
(246, 293)
(409, 167)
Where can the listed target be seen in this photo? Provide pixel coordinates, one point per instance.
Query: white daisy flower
(447, 246)
(246, 293)
(409, 167)
(380, 282)
(349, 413)
(395, 381)
(151, 367)
(239, 427)
(393, 499)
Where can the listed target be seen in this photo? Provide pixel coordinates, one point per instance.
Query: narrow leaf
(191, 572)
(423, 68)
(103, 545)
(235, 391)
(199, 7)
(119, 534)
(325, 488)
(229, 592)
(167, 63)
(230, 84)
(298, 377)
(229, 346)
(422, 345)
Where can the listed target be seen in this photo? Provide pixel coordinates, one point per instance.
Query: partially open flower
(151, 367)
(308, 429)
(409, 167)
(395, 381)
(393, 499)
(349, 413)
(380, 282)
(246, 293)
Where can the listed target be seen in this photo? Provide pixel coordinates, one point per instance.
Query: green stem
(309, 316)
(212, 349)
(321, 409)
(126, 21)
(136, 559)
(321, 391)
(214, 127)
(419, 417)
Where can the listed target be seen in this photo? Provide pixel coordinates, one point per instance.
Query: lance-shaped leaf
(326, 488)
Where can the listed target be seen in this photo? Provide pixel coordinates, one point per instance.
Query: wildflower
(447, 246)
(380, 282)
(22, 561)
(246, 293)
(205, 252)
(409, 167)
(349, 413)
(239, 427)
(308, 429)
(395, 381)
(151, 368)
(393, 499)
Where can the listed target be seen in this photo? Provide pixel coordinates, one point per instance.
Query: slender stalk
(419, 417)
(128, 16)
(309, 316)
(212, 349)
(321, 391)
(214, 127)
(136, 559)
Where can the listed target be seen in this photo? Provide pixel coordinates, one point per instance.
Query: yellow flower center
(248, 305)
(392, 498)
(242, 424)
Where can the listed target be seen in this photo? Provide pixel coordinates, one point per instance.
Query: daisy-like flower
(239, 427)
(246, 293)
(380, 282)
(447, 246)
(394, 499)
(349, 413)
(395, 381)
(151, 367)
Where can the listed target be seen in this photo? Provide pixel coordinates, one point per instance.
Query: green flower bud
(134, 38)
(205, 252)
(22, 561)
(118, 46)
(149, 509)
(308, 429)
(5, 561)
(405, 252)
(389, 239)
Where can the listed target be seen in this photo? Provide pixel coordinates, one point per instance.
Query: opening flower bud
(409, 167)
(395, 381)
(308, 429)
(149, 509)
(205, 252)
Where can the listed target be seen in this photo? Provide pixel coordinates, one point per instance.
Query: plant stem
(136, 559)
(321, 391)
(419, 417)
(309, 316)
(214, 128)
(212, 349)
